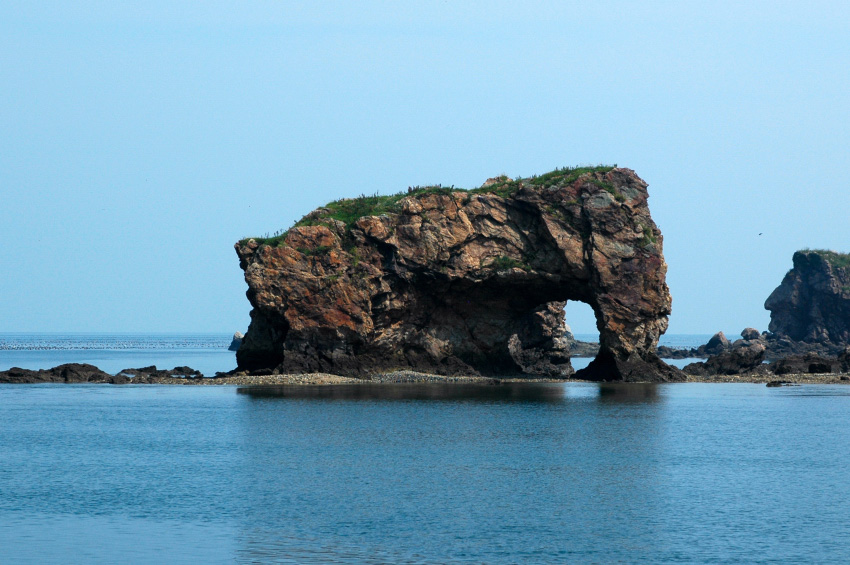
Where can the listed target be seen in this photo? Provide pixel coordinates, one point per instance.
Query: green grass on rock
(349, 210)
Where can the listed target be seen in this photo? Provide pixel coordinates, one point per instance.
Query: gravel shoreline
(416, 377)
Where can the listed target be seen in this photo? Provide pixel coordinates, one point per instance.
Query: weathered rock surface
(812, 304)
(464, 282)
(68, 373)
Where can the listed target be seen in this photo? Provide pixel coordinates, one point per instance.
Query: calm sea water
(113, 352)
(692, 473)
(204, 352)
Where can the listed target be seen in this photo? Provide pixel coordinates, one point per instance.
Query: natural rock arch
(464, 282)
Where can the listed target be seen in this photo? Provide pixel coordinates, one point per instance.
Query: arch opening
(582, 333)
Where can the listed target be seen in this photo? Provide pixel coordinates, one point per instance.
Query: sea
(205, 352)
(411, 473)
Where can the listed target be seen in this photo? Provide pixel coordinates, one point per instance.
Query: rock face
(464, 282)
(813, 302)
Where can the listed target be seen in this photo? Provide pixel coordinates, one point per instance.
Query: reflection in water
(522, 392)
(628, 392)
(487, 473)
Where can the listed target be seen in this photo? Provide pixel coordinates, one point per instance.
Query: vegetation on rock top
(349, 210)
(502, 263)
(834, 258)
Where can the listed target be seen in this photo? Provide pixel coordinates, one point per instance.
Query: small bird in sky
(760, 233)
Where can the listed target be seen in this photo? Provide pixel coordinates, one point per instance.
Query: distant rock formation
(67, 373)
(152, 375)
(236, 343)
(812, 304)
(464, 282)
(717, 344)
(77, 373)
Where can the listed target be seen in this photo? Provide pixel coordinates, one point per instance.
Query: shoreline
(89, 374)
(325, 379)
(413, 377)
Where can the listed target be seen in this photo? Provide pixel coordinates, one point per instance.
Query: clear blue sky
(139, 141)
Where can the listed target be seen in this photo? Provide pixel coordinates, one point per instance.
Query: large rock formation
(813, 302)
(463, 282)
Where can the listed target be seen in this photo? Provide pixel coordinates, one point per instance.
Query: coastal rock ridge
(455, 281)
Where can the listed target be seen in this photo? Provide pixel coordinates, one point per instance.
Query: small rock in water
(237, 341)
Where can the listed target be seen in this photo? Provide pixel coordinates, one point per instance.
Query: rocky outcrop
(812, 304)
(463, 282)
(68, 373)
(151, 375)
(78, 373)
(809, 363)
(742, 358)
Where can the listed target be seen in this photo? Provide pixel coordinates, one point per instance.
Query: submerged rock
(464, 282)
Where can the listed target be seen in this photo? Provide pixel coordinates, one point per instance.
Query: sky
(140, 141)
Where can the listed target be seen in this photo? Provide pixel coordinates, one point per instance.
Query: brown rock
(451, 281)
